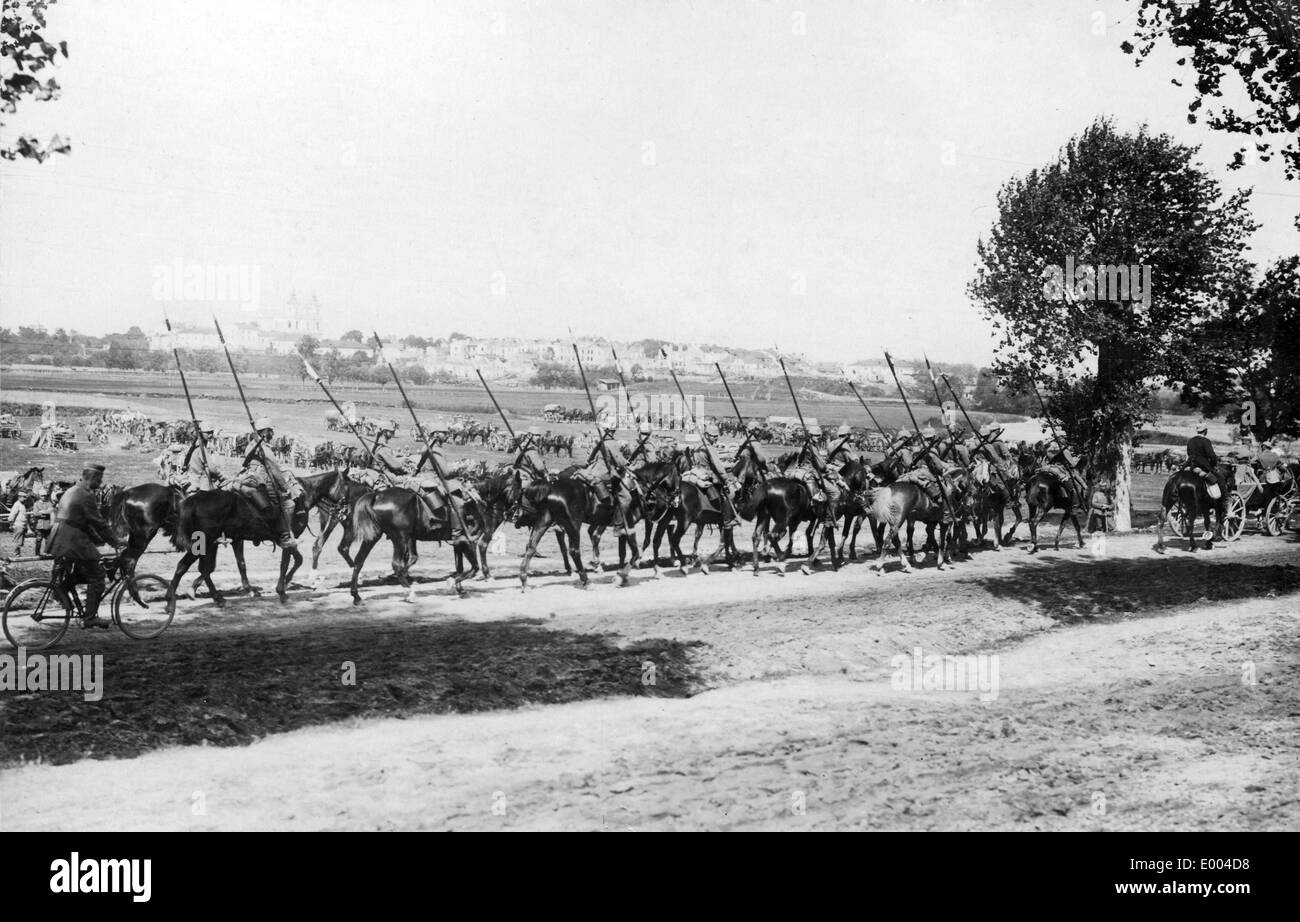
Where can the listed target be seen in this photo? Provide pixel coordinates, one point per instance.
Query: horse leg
(362, 553)
(327, 523)
(185, 563)
(562, 541)
(207, 564)
(237, 547)
(760, 534)
(695, 550)
(1064, 512)
(575, 551)
(1033, 529)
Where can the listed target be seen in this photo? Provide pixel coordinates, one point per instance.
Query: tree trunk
(1124, 488)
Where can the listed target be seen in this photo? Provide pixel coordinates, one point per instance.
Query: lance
(938, 400)
(879, 428)
(492, 397)
(424, 438)
(739, 419)
(311, 373)
(258, 446)
(681, 393)
(600, 435)
(865, 407)
(1056, 435)
(203, 445)
(929, 446)
(798, 412)
(982, 441)
(618, 366)
(939, 403)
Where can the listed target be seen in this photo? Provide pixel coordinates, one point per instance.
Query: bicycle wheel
(36, 614)
(140, 606)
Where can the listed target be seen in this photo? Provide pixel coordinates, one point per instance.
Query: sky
(812, 174)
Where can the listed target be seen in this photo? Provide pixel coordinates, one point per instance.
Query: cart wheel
(36, 614)
(140, 606)
(1275, 516)
(1234, 520)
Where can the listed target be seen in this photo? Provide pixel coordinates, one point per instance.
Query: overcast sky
(689, 171)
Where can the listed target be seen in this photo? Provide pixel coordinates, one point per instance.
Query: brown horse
(776, 505)
(1045, 491)
(404, 518)
(907, 502)
(1186, 495)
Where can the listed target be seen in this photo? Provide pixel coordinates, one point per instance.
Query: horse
(206, 516)
(859, 477)
(403, 517)
(138, 513)
(907, 501)
(989, 502)
(777, 504)
(1188, 489)
(1045, 491)
(565, 504)
(500, 492)
(331, 513)
(24, 481)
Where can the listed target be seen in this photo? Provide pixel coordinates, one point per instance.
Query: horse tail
(364, 524)
(885, 507)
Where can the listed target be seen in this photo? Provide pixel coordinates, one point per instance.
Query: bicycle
(37, 611)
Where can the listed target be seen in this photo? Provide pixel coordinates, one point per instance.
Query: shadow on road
(1103, 589)
(231, 690)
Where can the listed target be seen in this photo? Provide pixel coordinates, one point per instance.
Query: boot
(94, 593)
(286, 540)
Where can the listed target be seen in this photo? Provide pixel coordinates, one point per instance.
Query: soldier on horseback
(399, 471)
(643, 446)
(608, 475)
(826, 486)
(269, 483)
(531, 466)
(1202, 459)
(710, 474)
(192, 474)
(840, 447)
(1057, 462)
(750, 447)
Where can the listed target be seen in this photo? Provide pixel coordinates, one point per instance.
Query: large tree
(26, 52)
(1259, 42)
(1253, 360)
(1097, 342)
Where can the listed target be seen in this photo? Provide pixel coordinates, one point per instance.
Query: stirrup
(287, 542)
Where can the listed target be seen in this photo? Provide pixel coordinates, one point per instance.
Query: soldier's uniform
(755, 453)
(271, 484)
(390, 467)
(825, 486)
(1004, 473)
(901, 447)
(192, 472)
(1057, 462)
(839, 449)
(532, 469)
(78, 529)
(607, 473)
(643, 451)
(710, 473)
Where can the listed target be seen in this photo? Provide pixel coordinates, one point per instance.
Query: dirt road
(1134, 691)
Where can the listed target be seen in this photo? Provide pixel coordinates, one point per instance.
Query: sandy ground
(1135, 691)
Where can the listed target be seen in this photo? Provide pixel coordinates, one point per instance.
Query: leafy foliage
(27, 52)
(1259, 40)
(1110, 199)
